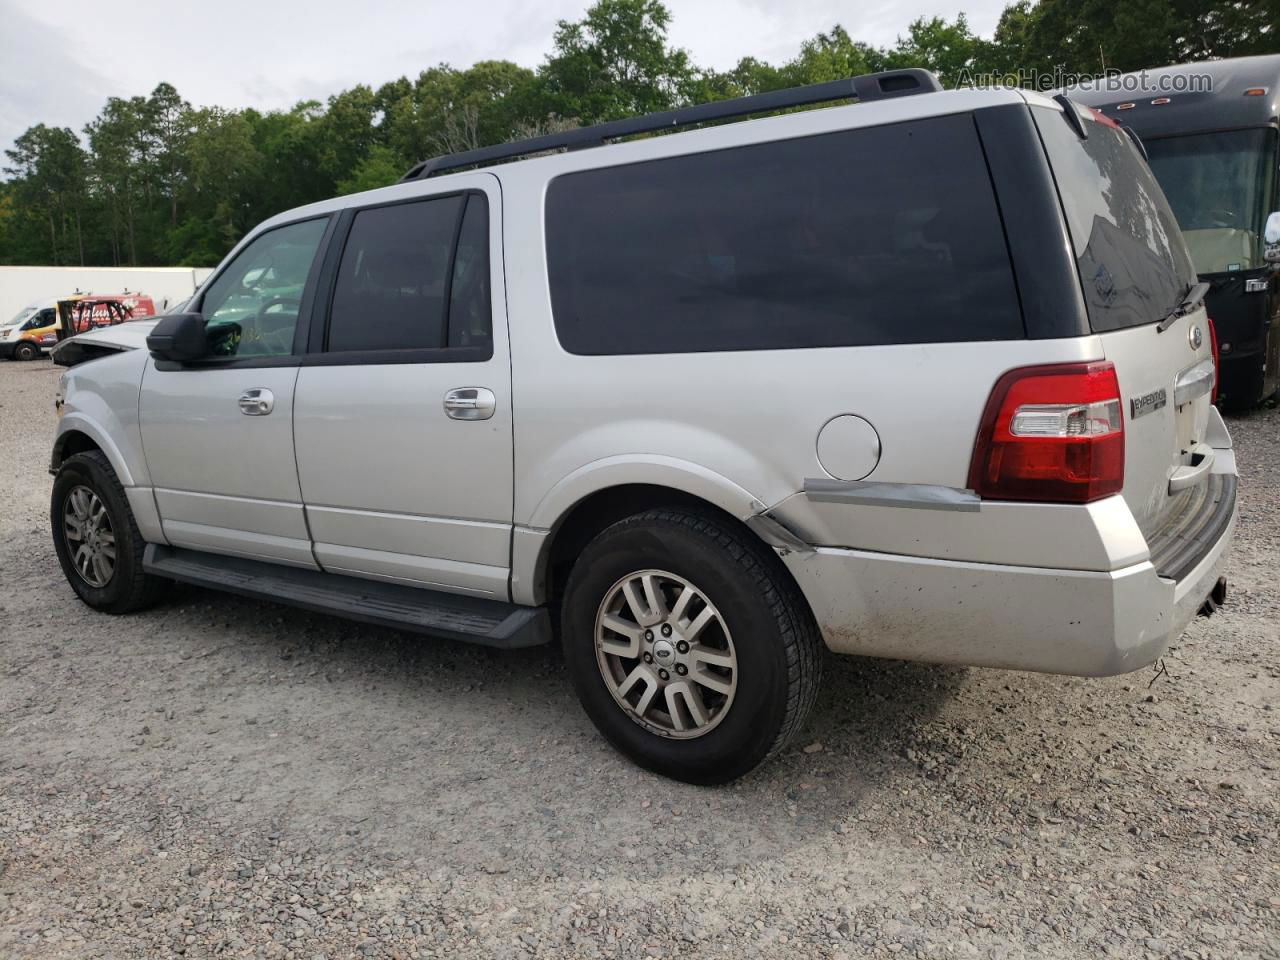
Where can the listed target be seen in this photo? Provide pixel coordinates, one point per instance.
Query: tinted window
(393, 281)
(1134, 265)
(251, 308)
(883, 235)
(43, 318)
(470, 320)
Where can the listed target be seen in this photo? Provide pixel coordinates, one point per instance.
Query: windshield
(21, 315)
(1220, 187)
(1134, 266)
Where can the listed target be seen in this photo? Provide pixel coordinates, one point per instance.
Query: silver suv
(926, 376)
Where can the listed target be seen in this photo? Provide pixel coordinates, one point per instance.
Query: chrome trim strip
(1193, 382)
(923, 496)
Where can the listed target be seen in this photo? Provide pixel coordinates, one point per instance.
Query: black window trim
(1035, 225)
(306, 305)
(318, 353)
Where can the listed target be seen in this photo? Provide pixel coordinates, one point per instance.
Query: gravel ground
(219, 777)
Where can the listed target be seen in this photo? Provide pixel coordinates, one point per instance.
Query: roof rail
(872, 86)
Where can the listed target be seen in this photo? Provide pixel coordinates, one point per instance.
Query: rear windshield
(1134, 265)
(874, 236)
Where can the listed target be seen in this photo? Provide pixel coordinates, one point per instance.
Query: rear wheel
(96, 537)
(688, 644)
(25, 350)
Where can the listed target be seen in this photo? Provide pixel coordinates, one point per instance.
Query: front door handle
(470, 403)
(257, 402)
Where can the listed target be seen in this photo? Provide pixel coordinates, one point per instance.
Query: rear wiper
(1193, 299)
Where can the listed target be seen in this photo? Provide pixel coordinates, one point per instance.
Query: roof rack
(871, 86)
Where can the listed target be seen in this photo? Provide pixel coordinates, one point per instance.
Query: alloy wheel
(666, 654)
(91, 542)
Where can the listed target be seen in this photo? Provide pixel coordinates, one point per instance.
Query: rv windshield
(1219, 186)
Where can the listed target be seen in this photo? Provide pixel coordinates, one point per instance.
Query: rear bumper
(1075, 622)
(1040, 618)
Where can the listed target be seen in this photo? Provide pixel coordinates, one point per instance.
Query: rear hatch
(1137, 276)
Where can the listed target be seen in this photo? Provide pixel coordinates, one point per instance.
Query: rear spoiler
(1075, 115)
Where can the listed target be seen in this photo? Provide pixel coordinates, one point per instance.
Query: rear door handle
(257, 402)
(470, 403)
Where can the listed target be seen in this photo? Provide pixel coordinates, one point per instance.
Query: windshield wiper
(1193, 299)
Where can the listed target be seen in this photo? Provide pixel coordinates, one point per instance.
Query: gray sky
(61, 59)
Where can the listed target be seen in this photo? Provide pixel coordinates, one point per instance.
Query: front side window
(42, 318)
(1220, 186)
(414, 276)
(880, 235)
(1134, 266)
(251, 309)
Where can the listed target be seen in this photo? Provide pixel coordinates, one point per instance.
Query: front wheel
(96, 537)
(25, 350)
(690, 647)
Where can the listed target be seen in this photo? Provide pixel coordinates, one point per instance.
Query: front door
(218, 433)
(403, 422)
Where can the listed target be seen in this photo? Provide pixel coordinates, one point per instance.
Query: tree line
(153, 180)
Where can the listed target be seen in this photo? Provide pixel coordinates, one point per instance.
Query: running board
(491, 623)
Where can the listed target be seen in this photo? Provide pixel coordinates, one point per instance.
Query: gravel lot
(219, 777)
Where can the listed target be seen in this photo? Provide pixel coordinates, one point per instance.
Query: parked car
(860, 376)
(20, 337)
(1215, 149)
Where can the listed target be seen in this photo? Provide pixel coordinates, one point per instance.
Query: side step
(491, 623)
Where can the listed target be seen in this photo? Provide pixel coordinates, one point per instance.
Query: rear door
(403, 419)
(1135, 271)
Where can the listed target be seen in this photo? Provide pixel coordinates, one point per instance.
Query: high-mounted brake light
(1213, 344)
(1053, 433)
(1102, 118)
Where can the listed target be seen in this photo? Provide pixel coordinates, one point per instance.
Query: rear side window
(876, 236)
(1134, 266)
(470, 317)
(398, 267)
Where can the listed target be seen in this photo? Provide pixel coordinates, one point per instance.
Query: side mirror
(179, 337)
(1271, 239)
(1271, 232)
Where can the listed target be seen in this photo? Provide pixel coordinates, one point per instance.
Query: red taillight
(1052, 433)
(1213, 343)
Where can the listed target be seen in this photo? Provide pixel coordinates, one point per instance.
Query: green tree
(949, 49)
(121, 151)
(48, 190)
(224, 163)
(170, 124)
(615, 62)
(1090, 36)
(381, 167)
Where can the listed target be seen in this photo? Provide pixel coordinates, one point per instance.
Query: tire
(25, 350)
(127, 587)
(759, 621)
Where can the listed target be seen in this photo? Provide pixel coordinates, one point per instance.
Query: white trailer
(166, 286)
